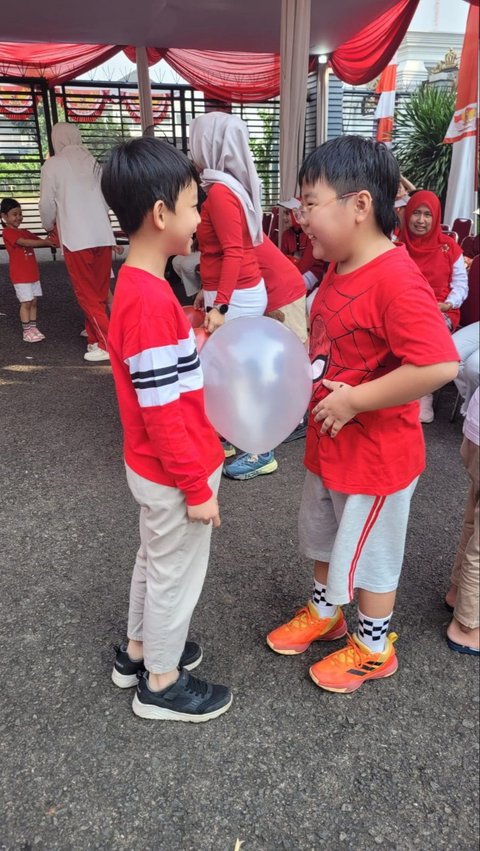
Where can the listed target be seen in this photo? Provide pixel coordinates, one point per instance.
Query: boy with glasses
(364, 449)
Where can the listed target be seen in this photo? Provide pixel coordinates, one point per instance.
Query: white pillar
(144, 91)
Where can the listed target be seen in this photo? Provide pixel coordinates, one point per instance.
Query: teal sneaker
(248, 466)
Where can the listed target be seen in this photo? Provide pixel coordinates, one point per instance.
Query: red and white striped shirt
(159, 383)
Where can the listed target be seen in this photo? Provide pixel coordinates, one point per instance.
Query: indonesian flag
(386, 104)
(463, 130)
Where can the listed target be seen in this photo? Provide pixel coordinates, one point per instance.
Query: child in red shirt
(173, 457)
(364, 448)
(24, 273)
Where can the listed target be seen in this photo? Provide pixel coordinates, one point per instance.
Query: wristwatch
(222, 308)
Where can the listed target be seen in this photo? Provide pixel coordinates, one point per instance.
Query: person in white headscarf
(231, 224)
(71, 199)
(229, 231)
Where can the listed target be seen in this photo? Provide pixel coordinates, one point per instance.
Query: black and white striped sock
(373, 631)
(324, 609)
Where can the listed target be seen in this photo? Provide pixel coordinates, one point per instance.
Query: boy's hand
(336, 409)
(207, 512)
(445, 306)
(199, 303)
(213, 320)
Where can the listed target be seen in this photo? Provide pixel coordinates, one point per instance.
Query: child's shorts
(361, 536)
(27, 292)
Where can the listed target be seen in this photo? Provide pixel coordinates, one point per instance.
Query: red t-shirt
(159, 383)
(283, 281)
(294, 241)
(364, 325)
(227, 260)
(23, 263)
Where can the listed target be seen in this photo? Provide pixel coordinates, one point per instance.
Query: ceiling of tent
(246, 25)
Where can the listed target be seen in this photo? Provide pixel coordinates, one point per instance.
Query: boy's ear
(158, 215)
(363, 205)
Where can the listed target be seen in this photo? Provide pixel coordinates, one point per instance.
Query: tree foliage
(420, 127)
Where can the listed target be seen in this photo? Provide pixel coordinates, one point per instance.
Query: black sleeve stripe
(149, 373)
(158, 382)
(189, 367)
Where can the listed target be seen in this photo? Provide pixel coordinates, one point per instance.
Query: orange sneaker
(296, 635)
(346, 669)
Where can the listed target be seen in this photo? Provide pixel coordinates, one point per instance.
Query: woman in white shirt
(71, 199)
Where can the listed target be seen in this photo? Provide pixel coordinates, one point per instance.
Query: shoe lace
(300, 618)
(350, 655)
(196, 686)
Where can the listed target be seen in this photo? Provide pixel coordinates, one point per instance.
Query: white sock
(324, 609)
(373, 631)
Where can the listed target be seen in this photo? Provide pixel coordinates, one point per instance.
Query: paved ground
(289, 768)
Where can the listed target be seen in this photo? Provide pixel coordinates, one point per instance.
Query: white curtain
(294, 51)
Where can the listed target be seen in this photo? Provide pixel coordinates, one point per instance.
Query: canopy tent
(359, 38)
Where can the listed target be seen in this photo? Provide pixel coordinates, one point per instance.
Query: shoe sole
(381, 675)
(262, 471)
(158, 713)
(229, 453)
(130, 680)
(338, 632)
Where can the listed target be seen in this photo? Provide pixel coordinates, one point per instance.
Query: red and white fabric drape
(385, 110)
(234, 77)
(463, 130)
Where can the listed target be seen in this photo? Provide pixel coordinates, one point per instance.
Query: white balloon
(258, 382)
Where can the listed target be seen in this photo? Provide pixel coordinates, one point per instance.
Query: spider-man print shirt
(364, 325)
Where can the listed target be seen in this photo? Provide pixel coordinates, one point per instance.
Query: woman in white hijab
(230, 228)
(231, 219)
(71, 199)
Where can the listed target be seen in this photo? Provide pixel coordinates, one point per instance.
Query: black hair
(141, 172)
(8, 204)
(352, 163)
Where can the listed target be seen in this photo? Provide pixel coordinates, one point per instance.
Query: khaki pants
(293, 316)
(169, 571)
(466, 570)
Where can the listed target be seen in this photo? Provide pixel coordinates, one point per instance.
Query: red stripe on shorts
(367, 528)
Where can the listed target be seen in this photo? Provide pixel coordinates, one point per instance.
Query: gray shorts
(362, 537)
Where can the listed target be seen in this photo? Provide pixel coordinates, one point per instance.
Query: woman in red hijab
(440, 260)
(437, 255)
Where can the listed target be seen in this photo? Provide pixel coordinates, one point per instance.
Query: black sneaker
(126, 671)
(188, 699)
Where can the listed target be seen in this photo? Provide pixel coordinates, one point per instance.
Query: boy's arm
(404, 384)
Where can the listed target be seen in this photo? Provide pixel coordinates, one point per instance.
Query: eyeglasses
(301, 213)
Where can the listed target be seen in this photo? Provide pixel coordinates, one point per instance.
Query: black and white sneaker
(188, 699)
(126, 671)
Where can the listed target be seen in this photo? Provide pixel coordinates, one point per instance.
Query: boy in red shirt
(172, 454)
(364, 449)
(24, 273)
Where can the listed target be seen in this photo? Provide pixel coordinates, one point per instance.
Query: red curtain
(366, 55)
(57, 63)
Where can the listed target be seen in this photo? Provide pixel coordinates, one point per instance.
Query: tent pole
(323, 72)
(294, 50)
(144, 91)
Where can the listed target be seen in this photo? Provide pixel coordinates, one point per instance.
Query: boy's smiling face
(181, 224)
(329, 220)
(14, 217)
